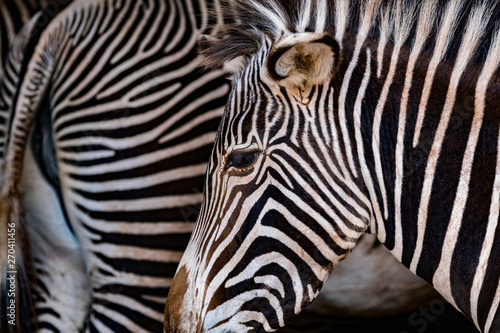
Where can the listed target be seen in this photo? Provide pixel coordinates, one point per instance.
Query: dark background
(424, 320)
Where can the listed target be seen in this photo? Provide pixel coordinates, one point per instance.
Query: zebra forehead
(251, 22)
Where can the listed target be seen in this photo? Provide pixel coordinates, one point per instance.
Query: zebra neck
(423, 139)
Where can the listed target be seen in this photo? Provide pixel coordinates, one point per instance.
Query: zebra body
(114, 133)
(344, 117)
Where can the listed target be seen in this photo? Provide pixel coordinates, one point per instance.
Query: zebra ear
(303, 60)
(235, 65)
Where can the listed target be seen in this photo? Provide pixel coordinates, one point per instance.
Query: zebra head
(280, 210)
(278, 213)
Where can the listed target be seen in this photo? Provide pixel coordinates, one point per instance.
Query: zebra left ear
(303, 60)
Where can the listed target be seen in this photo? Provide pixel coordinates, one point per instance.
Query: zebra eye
(241, 159)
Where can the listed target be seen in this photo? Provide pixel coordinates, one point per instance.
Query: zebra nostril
(241, 159)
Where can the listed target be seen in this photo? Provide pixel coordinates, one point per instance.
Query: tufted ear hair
(303, 60)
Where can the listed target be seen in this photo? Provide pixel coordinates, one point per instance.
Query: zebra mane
(401, 22)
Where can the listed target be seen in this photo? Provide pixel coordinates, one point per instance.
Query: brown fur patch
(174, 300)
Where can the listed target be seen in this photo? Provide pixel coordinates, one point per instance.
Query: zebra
(100, 265)
(347, 117)
(117, 120)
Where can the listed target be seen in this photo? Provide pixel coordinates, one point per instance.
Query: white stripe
(305, 15)
(446, 33)
(114, 251)
(385, 28)
(488, 243)
(86, 155)
(321, 14)
(137, 205)
(341, 19)
(137, 228)
(118, 317)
